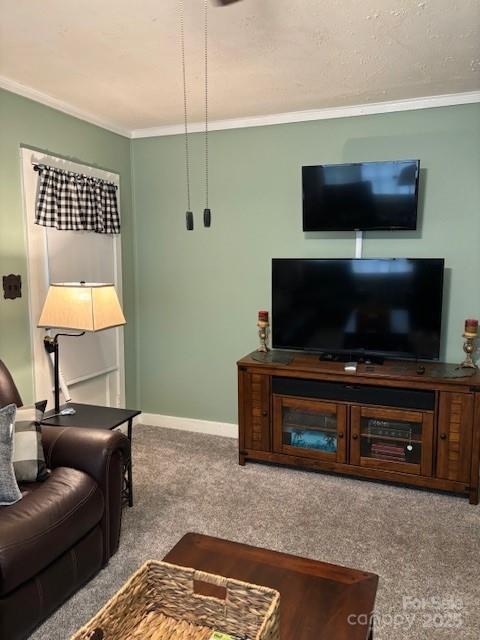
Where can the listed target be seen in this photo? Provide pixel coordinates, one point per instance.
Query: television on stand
(362, 196)
(358, 309)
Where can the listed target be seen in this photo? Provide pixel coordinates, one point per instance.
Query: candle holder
(469, 347)
(263, 325)
(263, 330)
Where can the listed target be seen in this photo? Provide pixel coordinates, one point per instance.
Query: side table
(93, 416)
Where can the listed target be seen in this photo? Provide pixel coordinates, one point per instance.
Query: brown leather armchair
(63, 530)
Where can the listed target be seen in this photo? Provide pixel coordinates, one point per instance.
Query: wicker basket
(159, 603)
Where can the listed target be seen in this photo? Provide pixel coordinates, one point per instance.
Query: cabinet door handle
(355, 436)
(443, 436)
(264, 414)
(340, 435)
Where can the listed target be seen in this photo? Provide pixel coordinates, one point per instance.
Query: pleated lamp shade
(81, 306)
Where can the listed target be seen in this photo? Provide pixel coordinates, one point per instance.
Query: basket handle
(210, 585)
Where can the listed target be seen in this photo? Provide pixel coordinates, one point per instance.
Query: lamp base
(51, 347)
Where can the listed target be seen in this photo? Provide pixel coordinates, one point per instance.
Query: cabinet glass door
(392, 439)
(309, 428)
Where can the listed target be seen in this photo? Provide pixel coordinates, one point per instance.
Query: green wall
(198, 293)
(28, 123)
(191, 298)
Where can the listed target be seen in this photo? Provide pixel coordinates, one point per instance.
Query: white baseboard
(138, 419)
(208, 427)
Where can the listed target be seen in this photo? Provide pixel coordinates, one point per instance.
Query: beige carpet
(423, 545)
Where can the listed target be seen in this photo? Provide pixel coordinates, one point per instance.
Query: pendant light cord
(185, 111)
(206, 104)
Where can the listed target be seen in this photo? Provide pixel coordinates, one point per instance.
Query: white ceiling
(119, 60)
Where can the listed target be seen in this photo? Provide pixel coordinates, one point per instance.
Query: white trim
(60, 105)
(208, 427)
(38, 276)
(137, 420)
(358, 244)
(327, 113)
(91, 376)
(410, 104)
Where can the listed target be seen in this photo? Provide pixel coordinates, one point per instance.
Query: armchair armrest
(102, 455)
(87, 450)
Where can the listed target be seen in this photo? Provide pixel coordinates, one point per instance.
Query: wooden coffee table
(318, 601)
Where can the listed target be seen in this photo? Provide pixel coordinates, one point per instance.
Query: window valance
(75, 202)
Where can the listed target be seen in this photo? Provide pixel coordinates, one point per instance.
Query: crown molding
(328, 113)
(60, 105)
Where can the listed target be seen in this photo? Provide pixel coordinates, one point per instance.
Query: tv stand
(360, 358)
(381, 422)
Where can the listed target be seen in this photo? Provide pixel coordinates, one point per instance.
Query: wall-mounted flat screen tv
(386, 307)
(363, 196)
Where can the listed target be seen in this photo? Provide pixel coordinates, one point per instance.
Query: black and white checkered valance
(75, 202)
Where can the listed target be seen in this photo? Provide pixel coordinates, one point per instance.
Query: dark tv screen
(363, 196)
(387, 307)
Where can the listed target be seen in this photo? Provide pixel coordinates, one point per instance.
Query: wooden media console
(396, 421)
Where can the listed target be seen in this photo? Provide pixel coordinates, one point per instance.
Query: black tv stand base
(329, 356)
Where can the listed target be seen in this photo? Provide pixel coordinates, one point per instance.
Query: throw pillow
(28, 457)
(9, 491)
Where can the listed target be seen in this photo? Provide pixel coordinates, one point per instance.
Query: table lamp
(79, 306)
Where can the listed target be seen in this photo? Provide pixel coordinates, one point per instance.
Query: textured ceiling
(120, 59)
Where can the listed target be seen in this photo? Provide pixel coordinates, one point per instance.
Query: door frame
(37, 277)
